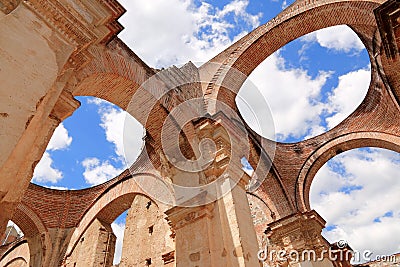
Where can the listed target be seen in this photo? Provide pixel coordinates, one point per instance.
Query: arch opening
(132, 221)
(306, 93)
(15, 250)
(95, 144)
(356, 192)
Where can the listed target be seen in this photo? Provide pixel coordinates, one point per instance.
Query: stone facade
(146, 227)
(190, 203)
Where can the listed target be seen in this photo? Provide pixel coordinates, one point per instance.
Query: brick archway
(338, 145)
(111, 204)
(118, 75)
(114, 74)
(35, 233)
(301, 18)
(17, 255)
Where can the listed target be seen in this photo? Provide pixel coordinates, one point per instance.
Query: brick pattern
(115, 73)
(297, 20)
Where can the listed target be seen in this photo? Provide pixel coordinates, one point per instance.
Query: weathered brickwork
(146, 227)
(80, 55)
(95, 247)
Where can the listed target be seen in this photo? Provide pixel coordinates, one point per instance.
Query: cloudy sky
(311, 85)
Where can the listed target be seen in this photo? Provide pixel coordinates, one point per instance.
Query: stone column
(218, 230)
(193, 230)
(17, 171)
(297, 241)
(217, 234)
(240, 240)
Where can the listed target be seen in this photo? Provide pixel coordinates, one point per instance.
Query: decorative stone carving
(292, 237)
(181, 216)
(65, 106)
(81, 23)
(388, 19)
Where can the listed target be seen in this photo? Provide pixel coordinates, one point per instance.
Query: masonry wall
(28, 70)
(147, 236)
(17, 256)
(95, 248)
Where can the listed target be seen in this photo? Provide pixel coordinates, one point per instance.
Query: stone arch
(332, 148)
(114, 201)
(17, 262)
(114, 61)
(8, 6)
(35, 233)
(115, 74)
(237, 62)
(16, 256)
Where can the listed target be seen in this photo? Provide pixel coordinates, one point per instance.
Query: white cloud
(11, 223)
(118, 229)
(95, 100)
(350, 92)
(238, 7)
(284, 4)
(339, 38)
(170, 32)
(292, 95)
(59, 187)
(358, 193)
(60, 139)
(97, 172)
(122, 130)
(44, 171)
(295, 99)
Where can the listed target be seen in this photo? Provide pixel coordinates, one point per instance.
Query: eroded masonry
(190, 202)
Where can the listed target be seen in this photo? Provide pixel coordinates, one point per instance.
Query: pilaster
(43, 43)
(296, 240)
(219, 230)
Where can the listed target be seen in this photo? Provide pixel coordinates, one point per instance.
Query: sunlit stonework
(190, 202)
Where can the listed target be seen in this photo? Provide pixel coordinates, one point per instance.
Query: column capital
(298, 233)
(181, 216)
(65, 106)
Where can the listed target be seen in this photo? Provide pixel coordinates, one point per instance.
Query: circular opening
(87, 148)
(357, 192)
(310, 84)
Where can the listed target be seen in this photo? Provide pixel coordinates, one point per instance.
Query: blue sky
(310, 85)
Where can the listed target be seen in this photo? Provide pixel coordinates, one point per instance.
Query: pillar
(296, 241)
(220, 233)
(17, 171)
(42, 46)
(218, 229)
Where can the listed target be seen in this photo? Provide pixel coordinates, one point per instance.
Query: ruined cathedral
(189, 201)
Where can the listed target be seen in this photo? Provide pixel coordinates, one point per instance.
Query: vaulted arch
(232, 67)
(338, 145)
(115, 200)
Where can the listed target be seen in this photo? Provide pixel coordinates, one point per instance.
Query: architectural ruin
(53, 50)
